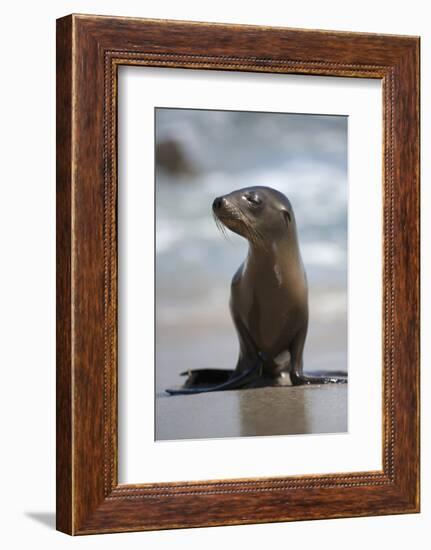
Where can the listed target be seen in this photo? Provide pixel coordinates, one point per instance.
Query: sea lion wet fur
(269, 297)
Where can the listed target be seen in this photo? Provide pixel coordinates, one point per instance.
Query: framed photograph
(237, 274)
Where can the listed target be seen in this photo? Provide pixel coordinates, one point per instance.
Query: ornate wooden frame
(89, 50)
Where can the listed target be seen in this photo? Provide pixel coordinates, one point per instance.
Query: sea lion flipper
(319, 378)
(249, 367)
(232, 383)
(297, 376)
(206, 377)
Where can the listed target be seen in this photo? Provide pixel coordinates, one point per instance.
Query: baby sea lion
(269, 297)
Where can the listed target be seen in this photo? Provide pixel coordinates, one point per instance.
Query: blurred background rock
(171, 158)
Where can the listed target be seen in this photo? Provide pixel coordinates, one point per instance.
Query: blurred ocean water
(203, 154)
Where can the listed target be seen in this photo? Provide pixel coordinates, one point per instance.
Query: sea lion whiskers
(234, 216)
(255, 236)
(220, 226)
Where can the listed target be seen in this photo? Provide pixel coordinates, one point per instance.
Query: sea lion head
(259, 214)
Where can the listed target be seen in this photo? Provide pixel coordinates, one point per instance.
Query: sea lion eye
(252, 199)
(287, 217)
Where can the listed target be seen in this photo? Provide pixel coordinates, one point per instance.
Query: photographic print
(251, 273)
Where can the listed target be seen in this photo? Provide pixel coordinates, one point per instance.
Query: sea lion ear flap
(287, 217)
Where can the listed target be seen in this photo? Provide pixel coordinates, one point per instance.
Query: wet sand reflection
(254, 412)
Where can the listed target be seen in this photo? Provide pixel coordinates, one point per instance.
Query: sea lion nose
(219, 203)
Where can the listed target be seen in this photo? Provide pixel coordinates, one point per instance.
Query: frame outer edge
(407, 280)
(81, 508)
(64, 367)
